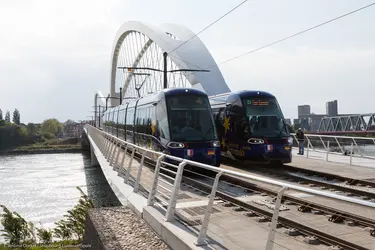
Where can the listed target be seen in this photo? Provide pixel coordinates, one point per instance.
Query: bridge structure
(349, 124)
(147, 58)
(214, 211)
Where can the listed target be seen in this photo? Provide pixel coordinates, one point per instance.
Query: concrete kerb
(175, 234)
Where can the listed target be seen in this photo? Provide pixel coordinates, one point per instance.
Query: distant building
(303, 110)
(288, 121)
(305, 124)
(310, 122)
(73, 129)
(296, 121)
(332, 108)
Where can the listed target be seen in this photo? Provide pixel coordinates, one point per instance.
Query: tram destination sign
(258, 102)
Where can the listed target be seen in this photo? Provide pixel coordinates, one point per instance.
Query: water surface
(42, 187)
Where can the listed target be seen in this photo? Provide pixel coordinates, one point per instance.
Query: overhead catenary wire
(286, 38)
(295, 34)
(208, 26)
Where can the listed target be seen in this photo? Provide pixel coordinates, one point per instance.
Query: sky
(54, 55)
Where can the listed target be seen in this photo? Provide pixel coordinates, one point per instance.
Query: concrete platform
(337, 164)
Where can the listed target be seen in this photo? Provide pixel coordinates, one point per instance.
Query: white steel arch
(138, 44)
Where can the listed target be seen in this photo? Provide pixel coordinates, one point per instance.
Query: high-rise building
(303, 110)
(331, 108)
(288, 121)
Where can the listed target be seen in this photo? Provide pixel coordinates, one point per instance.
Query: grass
(71, 244)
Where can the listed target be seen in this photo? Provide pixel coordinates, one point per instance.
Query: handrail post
(207, 214)
(123, 157)
(111, 162)
(112, 155)
(309, 142)
(321, 139)
(359, 150)
(351, 154)
(295, 139)
(308, 147)
(129, 166)
(118, 154)
(338, 143)
(176, 186)
(150, 200)
(271, 234)
(328, 149)
(101, 142)
(136, 185)
(109, 153)
(107, 144)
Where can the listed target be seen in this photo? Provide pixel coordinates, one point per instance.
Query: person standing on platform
(301, 141)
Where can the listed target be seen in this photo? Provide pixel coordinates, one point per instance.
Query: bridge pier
(94, 160)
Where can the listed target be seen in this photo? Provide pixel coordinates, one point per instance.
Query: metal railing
(354, 147)
(111, 147)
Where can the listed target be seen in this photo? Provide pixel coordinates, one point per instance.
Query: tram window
(151, 118)
(130, 118)
(162, 120)
(191, 118)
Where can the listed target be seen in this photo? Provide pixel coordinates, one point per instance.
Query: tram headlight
(175, 145)
(216, 144)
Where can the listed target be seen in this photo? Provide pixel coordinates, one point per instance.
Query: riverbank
(42, 149)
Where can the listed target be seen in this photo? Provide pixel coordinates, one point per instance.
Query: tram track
(306, 206)
(348, 186)
(337, 215)
(306, 230)
(349, 181)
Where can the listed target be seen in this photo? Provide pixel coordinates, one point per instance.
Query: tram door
(236, 133)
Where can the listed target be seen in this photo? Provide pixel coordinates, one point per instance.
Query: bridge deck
(227, 229)
(233, 230)
(337, 164)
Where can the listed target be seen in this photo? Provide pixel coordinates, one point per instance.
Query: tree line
(13, 133)
(16, 117)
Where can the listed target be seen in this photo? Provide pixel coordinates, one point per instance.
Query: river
(42, 187)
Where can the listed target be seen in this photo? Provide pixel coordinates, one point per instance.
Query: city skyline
(52, 69)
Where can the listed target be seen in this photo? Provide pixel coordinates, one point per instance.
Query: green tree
(32, 129)
(7, 116)
(45, 235)
(52, 126)
(290, 128)
(16, 229)
(1, 114)
(16, 117)
(74, 224)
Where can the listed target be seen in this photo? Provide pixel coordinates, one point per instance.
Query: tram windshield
(190, 118)
(264, 118)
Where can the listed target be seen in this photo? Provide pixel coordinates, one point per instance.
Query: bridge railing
(163, 190)
(357, 147)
